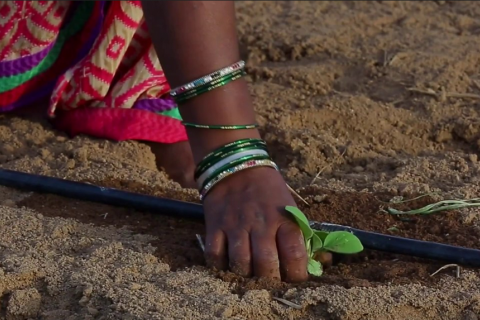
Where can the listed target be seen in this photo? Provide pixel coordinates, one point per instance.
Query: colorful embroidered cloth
(95, 61)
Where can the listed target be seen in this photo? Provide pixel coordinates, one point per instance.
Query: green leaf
(342, 242)
(317, 243)
(321, 234)
(308, 247)
(314, 267)
(302, 221)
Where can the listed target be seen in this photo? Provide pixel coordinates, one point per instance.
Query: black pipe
(410, 247)
(89, 192)
(180, 209)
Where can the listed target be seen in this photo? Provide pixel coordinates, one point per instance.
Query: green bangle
(221, 154)
(233, 164)
(179, 100)
(204, 165)
(232, 145)
(207, 85)
(195, 94)
(208, 78)
(220, 127)
(236, 143)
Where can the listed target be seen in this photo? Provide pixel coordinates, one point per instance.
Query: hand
(177, 161)
(248, 229)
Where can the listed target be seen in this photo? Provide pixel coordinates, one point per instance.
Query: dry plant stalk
(328, 166)
(448, 266)
(200, 242)
(288, 303)
(443, 95)
(297, 195)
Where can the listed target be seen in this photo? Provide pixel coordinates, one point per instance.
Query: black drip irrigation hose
(93, 193)
(180, 209)
(416, 248)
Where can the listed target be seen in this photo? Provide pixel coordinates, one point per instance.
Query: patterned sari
(94, 61)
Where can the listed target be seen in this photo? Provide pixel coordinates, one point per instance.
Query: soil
(360, 102)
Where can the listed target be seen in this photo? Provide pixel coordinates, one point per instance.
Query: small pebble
(70, 164)
(45, 153)
(9, 203)
(320, 199)
(469, 315)
(83, 301)
(135, 286)
(358, 169)
(92, 311)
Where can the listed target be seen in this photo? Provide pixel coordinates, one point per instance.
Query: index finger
(216, 249)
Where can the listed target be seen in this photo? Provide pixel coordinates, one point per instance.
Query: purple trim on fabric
(155, 105)
(21, 65)
(48, 88)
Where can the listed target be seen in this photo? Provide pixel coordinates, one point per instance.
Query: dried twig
(288, 303)
(388, 59)
(429, 92)
(392, 59)
(297, 195)
(448, 266)
(200, 242)
(443, 95)
(463, 95)
(327, 166)
(476, 83)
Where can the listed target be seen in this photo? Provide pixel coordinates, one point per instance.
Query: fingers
(265, 255)
(239, 253)
(258, 254)
(292, 252)
(216, 250)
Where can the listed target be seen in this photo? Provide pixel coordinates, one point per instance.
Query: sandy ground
(380, 98)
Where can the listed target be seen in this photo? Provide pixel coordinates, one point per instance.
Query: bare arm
(193, 39)
(244, 215)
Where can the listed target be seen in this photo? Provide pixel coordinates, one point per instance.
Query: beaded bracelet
(245, 165)
(227, 150)
(203, 87)
(207, 85)
(208, 78)
(227, 161)
(220, 127)
(189, 96)
(230, 165)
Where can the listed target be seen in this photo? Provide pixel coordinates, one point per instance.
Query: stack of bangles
(232, 157)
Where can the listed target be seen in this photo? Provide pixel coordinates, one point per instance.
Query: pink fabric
(121, 124)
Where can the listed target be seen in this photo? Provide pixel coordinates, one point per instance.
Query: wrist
(229, 105)
(241, 182)
(203, 141)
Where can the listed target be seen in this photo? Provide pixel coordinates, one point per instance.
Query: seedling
(440, 206)
(317, 241)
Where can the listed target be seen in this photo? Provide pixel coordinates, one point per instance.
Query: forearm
(193, 39)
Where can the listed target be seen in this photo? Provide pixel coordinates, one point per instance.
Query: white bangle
(255, 152)
(246, 165)
(208, 78)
